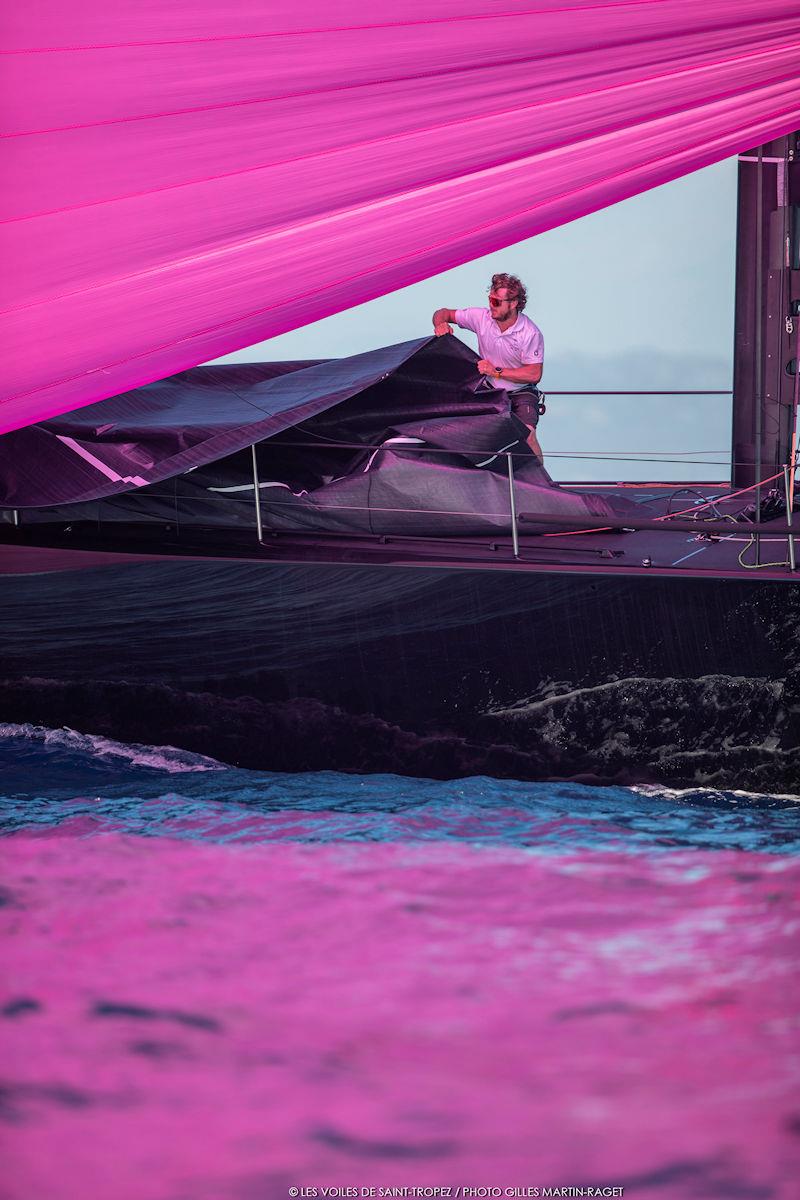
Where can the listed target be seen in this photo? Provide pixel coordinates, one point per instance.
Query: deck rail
(561, 526)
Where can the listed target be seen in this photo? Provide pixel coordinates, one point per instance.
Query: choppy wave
(401, 980)
(733, 796)
(158, 758)
(716, 731)
(58, 782)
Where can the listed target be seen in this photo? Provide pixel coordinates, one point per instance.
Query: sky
(637, 296)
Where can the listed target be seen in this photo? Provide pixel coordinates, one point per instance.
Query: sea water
(224, 984)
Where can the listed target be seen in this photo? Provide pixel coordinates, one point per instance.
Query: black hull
(415, 670)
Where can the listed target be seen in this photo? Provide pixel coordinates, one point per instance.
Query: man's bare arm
(441, 320)
(528, 373)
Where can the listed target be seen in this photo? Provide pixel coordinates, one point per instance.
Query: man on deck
(510, 345)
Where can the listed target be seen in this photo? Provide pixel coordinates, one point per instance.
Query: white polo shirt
(522, 343)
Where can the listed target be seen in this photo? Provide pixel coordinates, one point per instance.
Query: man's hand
(486, 368)
(441, 321)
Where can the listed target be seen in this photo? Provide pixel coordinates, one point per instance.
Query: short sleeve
(468, 318)
(532, 347)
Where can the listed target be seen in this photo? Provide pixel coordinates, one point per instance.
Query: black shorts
(525, 405)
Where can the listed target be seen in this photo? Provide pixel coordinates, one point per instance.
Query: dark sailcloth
(406, 439)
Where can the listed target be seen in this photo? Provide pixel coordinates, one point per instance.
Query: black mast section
(767, 309)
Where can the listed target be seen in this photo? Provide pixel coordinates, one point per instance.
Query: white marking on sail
(109, 472)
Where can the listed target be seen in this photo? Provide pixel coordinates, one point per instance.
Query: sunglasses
(495, 301)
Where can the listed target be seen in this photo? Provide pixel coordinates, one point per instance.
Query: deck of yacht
(720, 548)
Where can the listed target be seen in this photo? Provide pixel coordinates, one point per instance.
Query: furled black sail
(404, 439)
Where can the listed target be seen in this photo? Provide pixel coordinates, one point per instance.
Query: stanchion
(513, 504)
(257, 495)
(789, 506)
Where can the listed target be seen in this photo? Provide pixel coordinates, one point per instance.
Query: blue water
(206, 1009)
(58, 780)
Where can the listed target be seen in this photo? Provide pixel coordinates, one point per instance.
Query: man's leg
(533, 442)
(525, 406)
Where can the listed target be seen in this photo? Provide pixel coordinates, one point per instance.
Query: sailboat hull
(423, 670)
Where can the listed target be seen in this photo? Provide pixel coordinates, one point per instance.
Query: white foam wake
(659, 791)
(159, 758)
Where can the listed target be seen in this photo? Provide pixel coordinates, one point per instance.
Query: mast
(767, 317)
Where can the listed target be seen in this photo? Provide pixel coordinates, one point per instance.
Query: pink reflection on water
(204, 1022)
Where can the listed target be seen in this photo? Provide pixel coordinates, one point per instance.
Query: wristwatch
(498, 372)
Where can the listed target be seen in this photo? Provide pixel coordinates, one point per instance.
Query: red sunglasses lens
(495, 303)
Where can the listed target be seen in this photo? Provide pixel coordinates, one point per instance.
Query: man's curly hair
(503, 280)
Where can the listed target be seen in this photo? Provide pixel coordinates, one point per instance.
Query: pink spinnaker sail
(180, 180)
